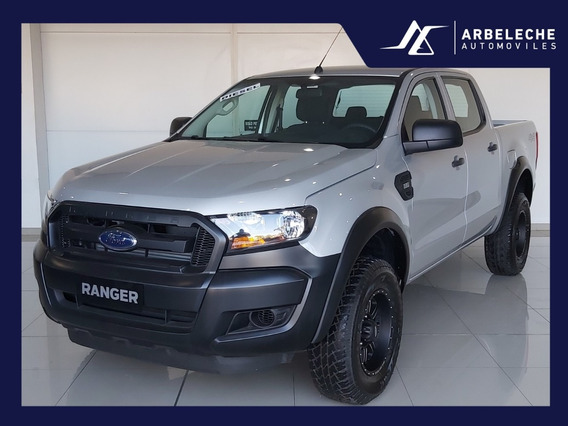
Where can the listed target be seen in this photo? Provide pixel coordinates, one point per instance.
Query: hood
(213, 177)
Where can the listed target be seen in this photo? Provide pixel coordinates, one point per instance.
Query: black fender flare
(364, 228)
(521, 165)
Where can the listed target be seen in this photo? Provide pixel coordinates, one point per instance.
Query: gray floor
(470, 339)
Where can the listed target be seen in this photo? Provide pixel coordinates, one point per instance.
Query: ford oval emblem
(118, 239)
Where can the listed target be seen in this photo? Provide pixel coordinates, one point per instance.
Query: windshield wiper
(196, 137)
(246, 138)
(265, 139)
(242, 138)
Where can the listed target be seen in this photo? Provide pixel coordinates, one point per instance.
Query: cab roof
(337, 71)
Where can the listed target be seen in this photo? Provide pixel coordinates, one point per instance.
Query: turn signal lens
(245, 242)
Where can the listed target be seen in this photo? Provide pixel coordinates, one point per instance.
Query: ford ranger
(288, 215)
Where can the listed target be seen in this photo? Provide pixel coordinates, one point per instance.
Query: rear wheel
(355, 361)
(506, 250)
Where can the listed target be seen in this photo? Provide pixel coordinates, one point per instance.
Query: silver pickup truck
(288, 215)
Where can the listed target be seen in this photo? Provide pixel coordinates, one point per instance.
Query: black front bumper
(199, 321)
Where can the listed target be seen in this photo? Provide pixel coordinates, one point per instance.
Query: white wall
(30, 198)
(113, 87)
(109, 90)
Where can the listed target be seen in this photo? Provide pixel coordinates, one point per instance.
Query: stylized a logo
(420, 40)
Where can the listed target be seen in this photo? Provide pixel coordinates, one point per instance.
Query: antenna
(319, 69)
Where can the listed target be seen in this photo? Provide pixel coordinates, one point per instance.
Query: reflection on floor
(470, 339)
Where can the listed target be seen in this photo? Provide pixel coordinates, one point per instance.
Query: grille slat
(204, 245)
(165, 319)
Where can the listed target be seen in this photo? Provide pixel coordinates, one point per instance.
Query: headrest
(356, 113)
(313, 109)
(414, 109)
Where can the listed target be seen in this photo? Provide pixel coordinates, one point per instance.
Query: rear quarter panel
(518, 138)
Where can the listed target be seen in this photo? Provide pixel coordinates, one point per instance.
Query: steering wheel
(361, 126)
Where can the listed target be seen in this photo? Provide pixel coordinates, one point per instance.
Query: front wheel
(355, 361)
(506, 250)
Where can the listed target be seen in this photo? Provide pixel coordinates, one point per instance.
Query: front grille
(168, 240)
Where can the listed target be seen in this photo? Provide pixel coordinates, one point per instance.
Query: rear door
(439, 181)
(483, 155)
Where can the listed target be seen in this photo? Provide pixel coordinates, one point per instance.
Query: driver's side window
(424, 102)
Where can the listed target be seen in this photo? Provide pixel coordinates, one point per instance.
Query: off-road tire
(506, 250)
(355, 361)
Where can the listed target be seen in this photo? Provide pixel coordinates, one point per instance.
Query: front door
(439, 179)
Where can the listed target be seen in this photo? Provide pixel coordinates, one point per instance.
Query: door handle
(457, 161)
(492, 147)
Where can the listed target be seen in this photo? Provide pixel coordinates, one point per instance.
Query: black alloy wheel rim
(376, 333)
(521, 235)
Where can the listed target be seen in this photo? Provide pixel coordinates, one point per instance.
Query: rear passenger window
(464, 103)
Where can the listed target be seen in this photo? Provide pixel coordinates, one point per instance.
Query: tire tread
(499, 246)
(329, 360)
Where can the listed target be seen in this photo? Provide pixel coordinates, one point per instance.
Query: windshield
(347, 110)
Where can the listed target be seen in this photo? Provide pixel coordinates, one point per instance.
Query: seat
(414, 112)
(315, 112)
(357, 128)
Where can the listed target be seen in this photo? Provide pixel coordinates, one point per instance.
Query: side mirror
(178, 123)
(432, 135)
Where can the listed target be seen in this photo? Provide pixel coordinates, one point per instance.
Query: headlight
(260, 229)
(48, 204)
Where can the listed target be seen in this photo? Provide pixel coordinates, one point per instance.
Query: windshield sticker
(239, 92)
(251, 125)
